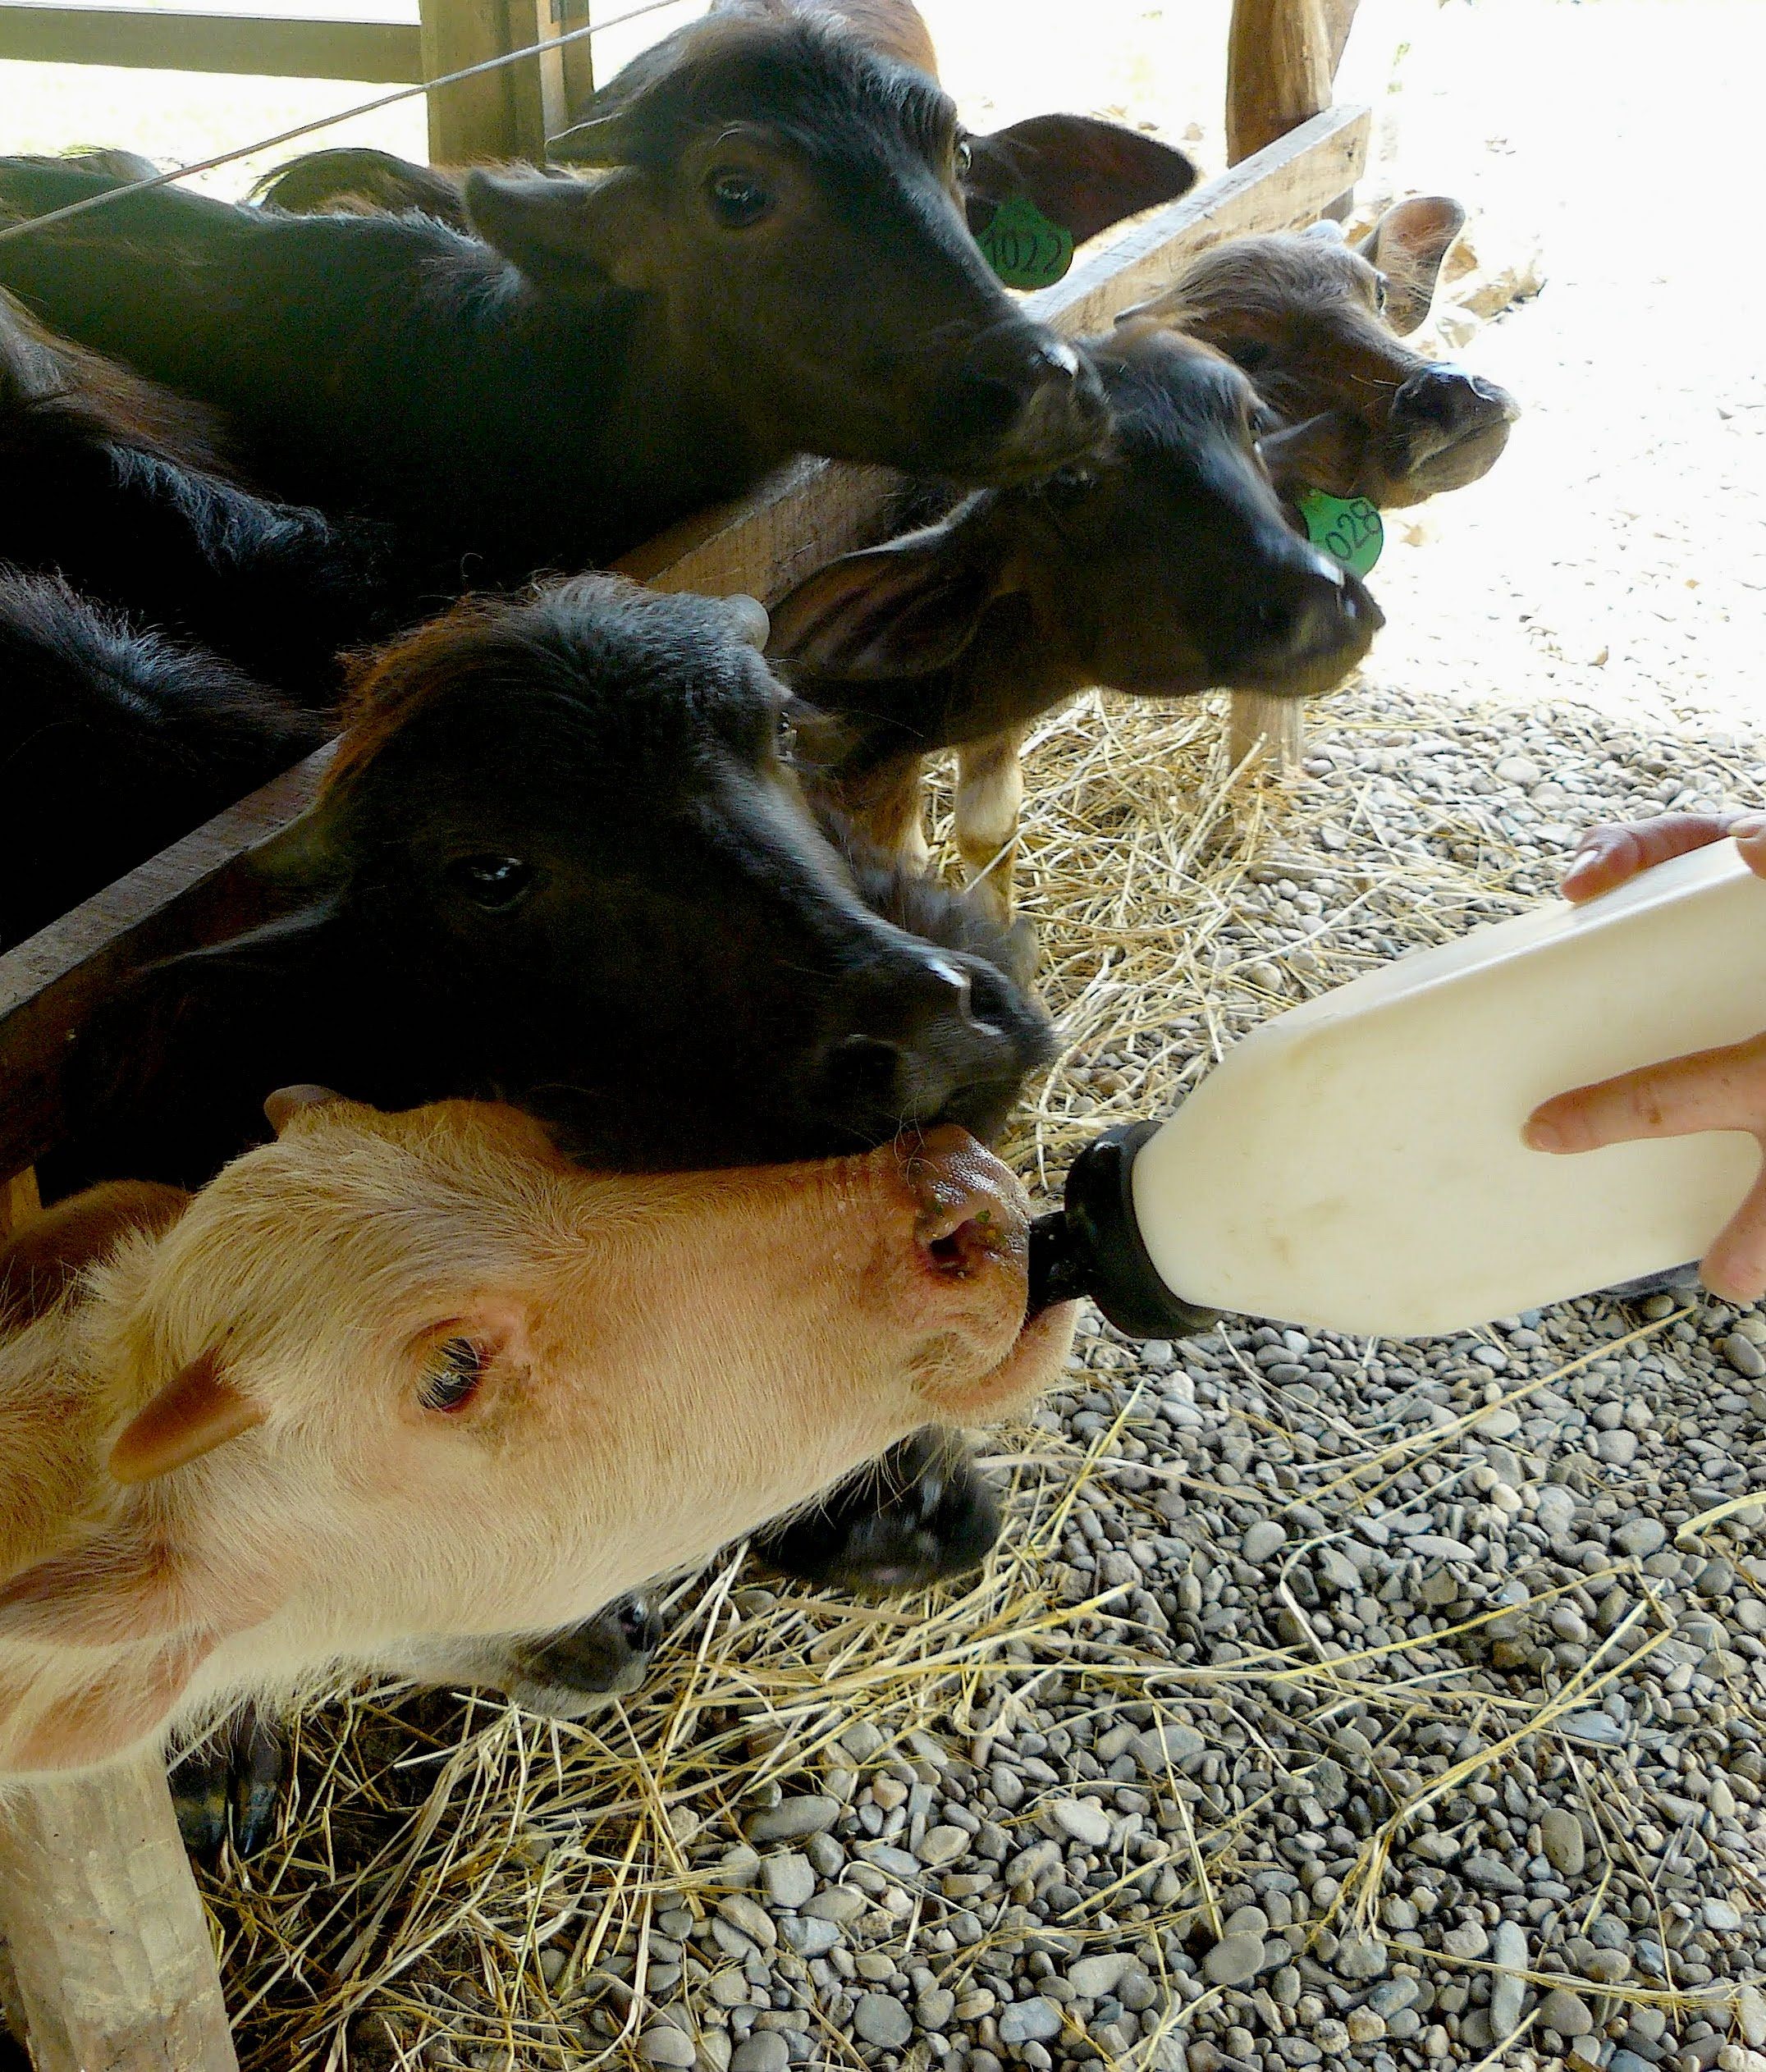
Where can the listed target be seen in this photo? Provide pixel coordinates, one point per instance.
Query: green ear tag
(1347, 527)
(1023, 247)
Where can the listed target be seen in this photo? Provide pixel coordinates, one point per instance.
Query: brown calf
(398, 1389)
(1318, 326)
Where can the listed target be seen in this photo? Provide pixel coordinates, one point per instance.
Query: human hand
(1720, 1089)
(1608, 855)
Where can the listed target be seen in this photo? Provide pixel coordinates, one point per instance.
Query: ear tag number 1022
(1023, 247)
(1347, 527)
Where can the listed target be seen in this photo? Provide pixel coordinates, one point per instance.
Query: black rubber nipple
(1092, 1246)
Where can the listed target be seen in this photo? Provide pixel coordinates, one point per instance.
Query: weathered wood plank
(275, 46)
(1281, 188)
(111, 1955)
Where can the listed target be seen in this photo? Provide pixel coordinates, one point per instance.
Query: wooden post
(1279, 62)
(106, 1964)
(498, 115)
(567, 71)
(110, 1949)
(1281, 58)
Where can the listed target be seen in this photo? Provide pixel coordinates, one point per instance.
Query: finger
(1722, 1089)
(1608, 855)
(1735, 1267)
(1749, 832)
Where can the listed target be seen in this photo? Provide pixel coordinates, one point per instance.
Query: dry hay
(450, 1867)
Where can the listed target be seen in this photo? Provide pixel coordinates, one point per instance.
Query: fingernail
(1581, 864)
(1542, 1137)
(1748, 827)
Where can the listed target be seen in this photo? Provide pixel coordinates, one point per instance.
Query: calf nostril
(985, 406)
(960, 1253)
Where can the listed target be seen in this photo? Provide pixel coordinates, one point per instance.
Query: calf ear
(126, 1703)
(568, 234)
(197, 1411)
(1407, 244)
(1080, 172)
(1316, 454)
(901, 609)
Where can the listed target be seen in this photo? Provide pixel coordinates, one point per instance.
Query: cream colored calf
(395, 1385)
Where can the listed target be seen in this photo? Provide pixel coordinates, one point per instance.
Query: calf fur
(1318, 324)
(559, 860)
(115, 741)
(775, 259)
(124, 489)
(399, 1385)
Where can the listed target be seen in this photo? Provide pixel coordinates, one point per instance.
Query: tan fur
(669, 1361)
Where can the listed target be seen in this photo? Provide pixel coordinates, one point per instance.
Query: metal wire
(325, 121)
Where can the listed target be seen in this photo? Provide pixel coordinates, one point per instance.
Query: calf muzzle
(919, 1042)
(1021, 406)
(1309, 622)
(1441, 406)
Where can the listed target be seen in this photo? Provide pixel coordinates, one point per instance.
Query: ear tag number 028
(1347, 527)
(1023, 247)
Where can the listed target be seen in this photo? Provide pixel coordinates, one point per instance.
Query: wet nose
(968, 1211)
(1450, 403)
(1024, 404)
(1311, 610)
(914, 1035)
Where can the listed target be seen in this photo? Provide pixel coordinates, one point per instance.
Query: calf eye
(961, 158)
(785, 740)
(1379, 293)
(737, 199)
(454, 1382)
(493, 882)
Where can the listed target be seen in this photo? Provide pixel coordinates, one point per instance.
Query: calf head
(1318, 324)
(795, 202)
(1165, 569)
(408, 1375)
(561, 860)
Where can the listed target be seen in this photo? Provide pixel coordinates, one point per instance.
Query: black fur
(113, 742)
(118, 485)
(690, 976)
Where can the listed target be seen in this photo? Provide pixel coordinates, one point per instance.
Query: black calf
(122, 486)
